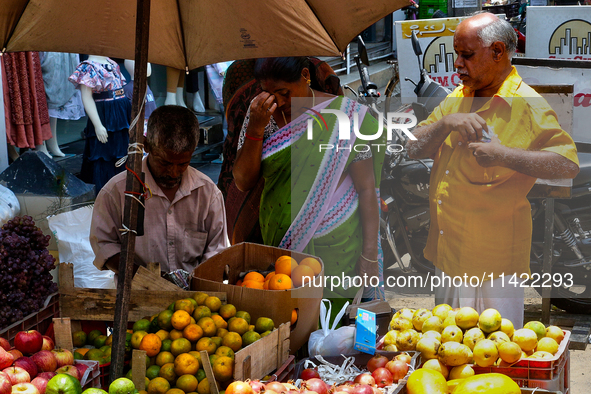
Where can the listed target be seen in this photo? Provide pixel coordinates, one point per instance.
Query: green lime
(165, 319)
(166, 345)
(152, 372)
(200, 375)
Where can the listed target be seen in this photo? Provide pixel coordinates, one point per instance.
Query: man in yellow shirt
(490, 139)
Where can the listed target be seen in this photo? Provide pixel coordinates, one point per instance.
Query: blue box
(365, 331)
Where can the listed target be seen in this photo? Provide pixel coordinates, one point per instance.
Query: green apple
(94, 390)
(122, 386)
(63, 384)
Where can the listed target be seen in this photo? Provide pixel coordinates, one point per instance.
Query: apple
(47, 375)
(5, 384)
(28, 342)
(63, 384)
(81, 368)
(28, 365)
(5, 344)
(24, 388)
(45, 360)
(48, 343)
(94, 390)
(17, 375)
(122, 386)
(6, 358)
(70, 370)
(40, 382)
(63, 357)
(15, 353)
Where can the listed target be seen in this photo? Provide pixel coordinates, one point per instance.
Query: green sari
(303, 207)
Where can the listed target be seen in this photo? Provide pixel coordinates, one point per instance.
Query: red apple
(63, 357)
(40, 382)
(46, 375)
(6, 358)
(81, 368)
(5, 384)
(17, 375)
(48, 343)
(45, 361)
(28, 365)
(24, 388)
(15, 353)
(5, 344)
(69, 370)
(28, 342)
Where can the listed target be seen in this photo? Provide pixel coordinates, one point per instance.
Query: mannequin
(193, 97)
(175, 81)
(149, 104)
(107, 131)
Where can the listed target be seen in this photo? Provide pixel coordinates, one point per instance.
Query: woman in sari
(315, 200)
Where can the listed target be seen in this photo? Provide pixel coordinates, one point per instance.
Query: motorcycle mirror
(416, 46)
(362, 51)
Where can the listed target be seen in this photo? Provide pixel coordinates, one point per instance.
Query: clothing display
(481, 217)
(114, 110)
(179, 234)
(293, 216)
(64, 101)
(25, 105)
(215, 76)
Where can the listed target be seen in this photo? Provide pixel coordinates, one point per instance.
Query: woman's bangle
(366, 259)
(252, 138)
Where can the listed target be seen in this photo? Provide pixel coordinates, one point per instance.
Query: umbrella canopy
(186, 34)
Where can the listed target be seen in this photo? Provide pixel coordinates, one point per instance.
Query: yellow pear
(428, 348)
(438, 366)
(452, 334)
(507, 327)
(485, 353)
(419, 318)
(547, 345)
(490, 320)
(466, 318)
(454, 354)
(538, 327)
(433, 323)
(405, 313)
(472, 336)
(510, 352)
(441, 311)
(542, 355)
(555, 333)
(498, 337)
(461, 372)
(432, 334)
(390, 337)
(526, 339)
(407, 340)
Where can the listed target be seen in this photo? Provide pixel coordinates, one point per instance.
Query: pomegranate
(309, 373)
(377, 361)
(403, 357)
(363, 389)
(256, 385)
(347, 388)
(383, 377)
(398, 368)
(365, 378)
(316, 385)
(275, 386)
(239, 387)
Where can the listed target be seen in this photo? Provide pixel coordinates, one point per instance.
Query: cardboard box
(275, 304)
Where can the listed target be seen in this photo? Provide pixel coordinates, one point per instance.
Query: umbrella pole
(134, 163)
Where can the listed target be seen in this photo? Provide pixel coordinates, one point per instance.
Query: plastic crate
(528, 368)
(428, 7)
(103, 377)
(560, 382)
(40, 320)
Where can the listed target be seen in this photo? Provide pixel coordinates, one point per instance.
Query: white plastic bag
(9, 206)
(330, 342)
(71, 230)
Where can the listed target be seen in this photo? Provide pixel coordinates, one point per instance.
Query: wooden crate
(99, 304)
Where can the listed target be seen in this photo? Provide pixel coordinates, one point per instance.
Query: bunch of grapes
(25, 269)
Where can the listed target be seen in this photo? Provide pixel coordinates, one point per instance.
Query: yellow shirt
(480, 217)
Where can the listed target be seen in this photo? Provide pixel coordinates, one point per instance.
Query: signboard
(563, 33)
(436, 40)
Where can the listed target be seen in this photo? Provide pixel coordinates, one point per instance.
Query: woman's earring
(309, 81)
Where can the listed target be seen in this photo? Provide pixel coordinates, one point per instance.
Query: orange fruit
(175, 391)
(284, 265)
(301, 274)
(269, 275)
(179, 346)
(217, 341)
(253, 275)
(253, 284)
(213, 303)
(266, 285)
(225, 351)
(201, 311)
(164, 319)
(294, 317)
(227, 311)
(184, 305)
(82, 350)
(280, 282)
(200, 298)
(219, 321)
(250, 337)
(312, 263)
(208, 326)
(163, 334)
(180, 319)
(158, 386)
(151, 343)
(233, 340)
(167, 372)
(207, 344)
(238, 325)
(164, 358)
(193, 332)
(239, 282)
(187, 383)
(244, 315)
(223, 369)
(203, 387)
(185, 364)
(136, 339)
(175, 334)
(221, 332)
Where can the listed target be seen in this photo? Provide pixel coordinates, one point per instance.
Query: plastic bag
(9, 206)
(71, 230)
(330, 342)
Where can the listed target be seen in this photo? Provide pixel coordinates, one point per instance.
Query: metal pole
(3, 141)
(548, 252)
(130, 218)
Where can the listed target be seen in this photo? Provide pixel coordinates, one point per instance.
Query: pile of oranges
(288, 274)
(174, 338)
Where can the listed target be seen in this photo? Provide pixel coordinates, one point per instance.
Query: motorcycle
(405, 218)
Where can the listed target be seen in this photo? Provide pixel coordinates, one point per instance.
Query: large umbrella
(190, 33)
(185, 34)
